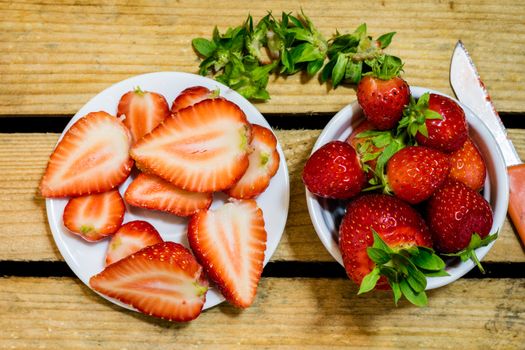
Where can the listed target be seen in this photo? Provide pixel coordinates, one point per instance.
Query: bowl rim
(339, 125)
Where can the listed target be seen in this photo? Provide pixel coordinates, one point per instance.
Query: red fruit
(364, 143)
(454, 213)
(203, 148)
(163, 280)
(230, 243)
(92, 157)
(192, 95)
(397, 223)
(264, 162)
(152, 192)
(143, 111)
(130, 238)
(94, 217)
(415, 172)
(447, 134)
(467, 166)
(334, 171)
(383, 101)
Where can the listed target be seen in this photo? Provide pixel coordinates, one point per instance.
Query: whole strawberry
(459, 219)
(383, 239)
(468, 166)
(415, 172)
(383, 99)
(334, 171)
(436, 121)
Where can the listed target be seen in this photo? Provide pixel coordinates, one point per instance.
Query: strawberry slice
(92, 157)
(264, 162)
(130, 238)
(144, 110)
(152, 192)
(192, 95)
(203, 148)
(163, 280)
(94, 216)
(230, 243)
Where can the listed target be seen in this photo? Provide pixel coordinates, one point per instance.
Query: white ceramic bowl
(327, 214)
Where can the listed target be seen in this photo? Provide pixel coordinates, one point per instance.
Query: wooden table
(55, 57)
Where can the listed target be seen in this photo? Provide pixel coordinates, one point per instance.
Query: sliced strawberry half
(143, 111)
(163, 280)
(203, 148)
(92, 157)
(152, 192)
(130, 238)
(230, 243)
(264, 162)
(192, 95)
(95, 216)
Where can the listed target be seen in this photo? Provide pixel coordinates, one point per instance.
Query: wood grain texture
(287, 314)
(56, 55)
(25, 234)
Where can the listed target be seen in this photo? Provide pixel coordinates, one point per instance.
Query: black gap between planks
(290, 121)
(274, 269)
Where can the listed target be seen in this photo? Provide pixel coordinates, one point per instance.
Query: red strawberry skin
(396, 222)
(92, 157)
(163, 280)
(447, 134)
(415, 172)
(454, 213)
(94, 217)
(263, 164)
(334, 171)
(468, 166)
(190, 96)
(130, 238)
(152, 192)
(143, 111)
(230, 243)
(383, 100)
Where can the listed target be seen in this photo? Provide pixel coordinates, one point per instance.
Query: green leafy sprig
(469, 252)
(405, 269)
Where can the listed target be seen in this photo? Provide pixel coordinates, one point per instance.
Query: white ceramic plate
(87, 259)
(327, 214)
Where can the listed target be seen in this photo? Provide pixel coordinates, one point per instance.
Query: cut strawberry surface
(143, 111)
(192, 95)
(203, 148)
(163, 280)
(263, 164)
(130, 238)
(152, 192)
(94, 217)
(468, 166)
(92, 157)
(230, 243)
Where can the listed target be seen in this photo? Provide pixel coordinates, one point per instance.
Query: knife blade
(470, 90)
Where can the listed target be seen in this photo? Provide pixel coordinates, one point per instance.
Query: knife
(471, 91)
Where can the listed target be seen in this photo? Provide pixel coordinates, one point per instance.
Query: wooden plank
(23, 217)
(56, 55)
(287, 314)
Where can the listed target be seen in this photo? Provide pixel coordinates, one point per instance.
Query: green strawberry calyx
(405, 269)
(469, 252)
(415, 116)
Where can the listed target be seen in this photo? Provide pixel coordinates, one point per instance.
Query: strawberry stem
(138, 91)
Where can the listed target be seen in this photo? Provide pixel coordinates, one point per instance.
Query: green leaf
(378, 256)
(396, 290)
(418, 299)
(379, 243)
(203, 47)
(339, 70)
(475, 243)
(416, 279)
(354, 71)
(430, 114)
(305, 53)
(385, 39)
(440, 273)
(428, 260)
(369, 281)
(314, 66)
(327, 70)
